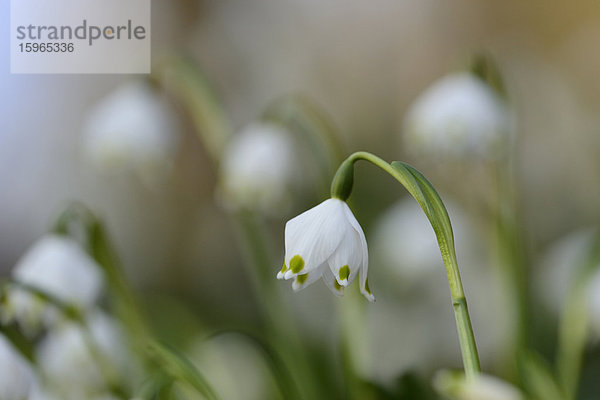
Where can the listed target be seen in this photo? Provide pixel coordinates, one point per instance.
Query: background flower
(16, 374)
(133, 128)
(458, 116)
(86, 361)
(259, 169)
(59, 267)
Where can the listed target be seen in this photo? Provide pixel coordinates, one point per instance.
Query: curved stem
(427, 197)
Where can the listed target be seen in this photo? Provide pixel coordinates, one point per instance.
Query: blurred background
(364, 64)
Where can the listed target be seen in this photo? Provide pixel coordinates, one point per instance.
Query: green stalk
(182, 369)
(427, 197)
(575, 323)
(278, 323)
(182, 78)
(511, 254)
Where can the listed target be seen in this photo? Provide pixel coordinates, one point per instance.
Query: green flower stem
(126, 303)
(511, 253)
(313, 126)
(427, 197)
(78, 217)
(186, 82)
(575, 323)
(280, 327)
(181, 369)
(182, 77)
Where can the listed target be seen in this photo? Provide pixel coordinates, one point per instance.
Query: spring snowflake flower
(258, 168)
(559, 270)
(59, 267)
(326, 241)
(80, 362)
(16, 375)
(483, 387)
(132, 128)
(458, 116)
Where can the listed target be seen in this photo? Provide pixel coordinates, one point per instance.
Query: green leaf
(181, 369)
(538, 379)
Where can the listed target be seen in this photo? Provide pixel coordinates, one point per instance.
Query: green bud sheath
(341, 186)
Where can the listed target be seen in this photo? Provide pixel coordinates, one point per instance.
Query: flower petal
(331, 283)
(364, 268)
(345, 262)
(304, 280)
(313, 236)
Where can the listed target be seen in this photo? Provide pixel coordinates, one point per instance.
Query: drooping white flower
(559, 271)
(458, 116)
(58, 266)
(483, 387)
(258, 168)
(326, 241)
(83, 362)
(16, 375)
(132, 128)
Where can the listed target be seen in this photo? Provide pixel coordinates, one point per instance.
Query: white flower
(483, 387)
(132, 128)
(326, 241)
(16, 375)
(594, 304)
(234, 367)
(58, 266)
(258, 168)
(559, 270)
(458, 116)
(406, 245)
(80, 362)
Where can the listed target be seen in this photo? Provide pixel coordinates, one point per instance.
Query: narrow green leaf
(538, 378)
(182, 369)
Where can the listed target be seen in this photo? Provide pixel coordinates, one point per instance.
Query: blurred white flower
(58, 266)
(326, 241)
(16, 375)
(594, 304)
(458, 116)
(405, 244)
(83, 362)
(234, 368)
(258, 168)
(558, 272)
(483, 387)
(133, 128)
